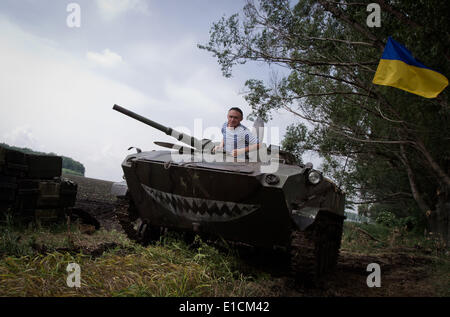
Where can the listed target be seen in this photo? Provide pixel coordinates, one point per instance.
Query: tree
(381, 144)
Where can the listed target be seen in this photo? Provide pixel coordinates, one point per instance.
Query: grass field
(33, 262)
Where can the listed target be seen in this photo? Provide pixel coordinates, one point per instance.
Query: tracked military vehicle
(268, 202)
(31, 186)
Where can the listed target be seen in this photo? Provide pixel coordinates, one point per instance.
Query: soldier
(237, 139)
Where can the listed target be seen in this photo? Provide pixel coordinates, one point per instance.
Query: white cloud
(106, 59)
(110, 9)
(22, 137)
(50, 101)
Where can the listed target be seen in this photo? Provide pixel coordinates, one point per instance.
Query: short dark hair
(238, 110)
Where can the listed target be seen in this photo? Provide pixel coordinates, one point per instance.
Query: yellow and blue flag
(399, 69)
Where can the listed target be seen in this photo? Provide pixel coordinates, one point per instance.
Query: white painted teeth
(198, 208)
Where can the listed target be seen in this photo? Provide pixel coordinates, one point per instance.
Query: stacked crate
(31, 185)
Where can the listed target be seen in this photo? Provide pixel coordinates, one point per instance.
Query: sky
(59, 82)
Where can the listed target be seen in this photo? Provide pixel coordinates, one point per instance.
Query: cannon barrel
(185, 138)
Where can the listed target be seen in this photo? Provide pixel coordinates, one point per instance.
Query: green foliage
(295, 140)
(384, 146)
(10, 244)
(71, 172)
(387, 219)
(33, 262)
(407, 216)
(376, 238)
(72, 165)
(390, 220)
(355, 240)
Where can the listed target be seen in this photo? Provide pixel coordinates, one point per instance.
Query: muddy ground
(404, 272)
(94, 197)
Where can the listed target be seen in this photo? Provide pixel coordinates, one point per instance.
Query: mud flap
(304, 217)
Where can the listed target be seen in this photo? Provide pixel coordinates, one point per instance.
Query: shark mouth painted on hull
(199, 209)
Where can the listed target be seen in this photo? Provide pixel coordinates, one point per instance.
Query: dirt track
(95, 198)
(403, 273)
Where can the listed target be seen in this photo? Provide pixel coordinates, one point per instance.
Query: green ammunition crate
(8, 188)
(13, 163)
(44, 166)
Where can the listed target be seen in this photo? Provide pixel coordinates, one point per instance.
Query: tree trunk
(439, 219)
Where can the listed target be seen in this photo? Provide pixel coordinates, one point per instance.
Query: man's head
(235, 117)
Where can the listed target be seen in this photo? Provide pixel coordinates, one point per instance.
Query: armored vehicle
(266, 201)
(31, 186)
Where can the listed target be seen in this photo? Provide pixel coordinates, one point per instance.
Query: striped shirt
(237, 138)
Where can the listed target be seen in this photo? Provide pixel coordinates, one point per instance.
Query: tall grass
(152, 271)
(169, 268)
(373, 238)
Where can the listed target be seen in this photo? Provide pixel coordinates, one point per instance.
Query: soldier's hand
(237, 152)
(217, 148)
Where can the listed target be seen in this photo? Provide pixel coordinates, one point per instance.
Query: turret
(200, 145)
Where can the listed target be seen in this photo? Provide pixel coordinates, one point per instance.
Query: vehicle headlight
(314, 177)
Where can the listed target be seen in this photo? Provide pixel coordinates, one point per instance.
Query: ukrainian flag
(399, 69)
